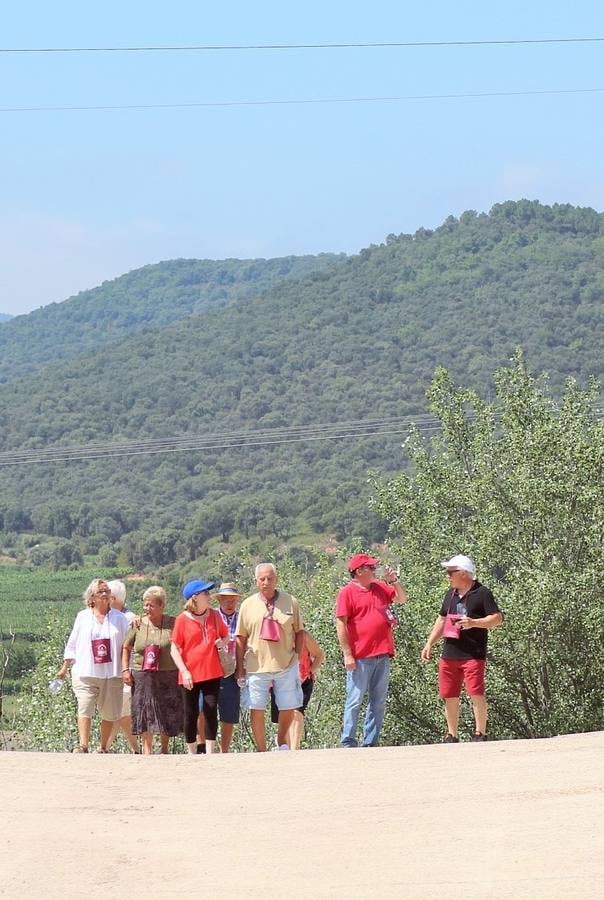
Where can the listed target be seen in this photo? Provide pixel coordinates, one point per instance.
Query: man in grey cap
(467, 613)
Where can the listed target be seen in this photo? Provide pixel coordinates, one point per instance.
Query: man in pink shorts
(468, 612)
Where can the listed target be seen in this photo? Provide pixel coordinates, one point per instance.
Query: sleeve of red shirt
(389, 591)
(342, 603)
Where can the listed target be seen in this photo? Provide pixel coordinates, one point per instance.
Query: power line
(302, 102)
(424, 423)
(224, 441)
(195, 48)
(290, 430)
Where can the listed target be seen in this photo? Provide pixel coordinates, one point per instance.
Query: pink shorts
(452, 673)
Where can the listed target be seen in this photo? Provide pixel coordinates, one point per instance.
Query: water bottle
(55, 685)
(244, 696)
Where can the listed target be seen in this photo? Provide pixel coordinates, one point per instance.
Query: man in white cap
(467, 613)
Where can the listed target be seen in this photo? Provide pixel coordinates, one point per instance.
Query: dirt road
(513, 820)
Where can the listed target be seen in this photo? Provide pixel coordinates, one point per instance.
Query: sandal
(80, 749)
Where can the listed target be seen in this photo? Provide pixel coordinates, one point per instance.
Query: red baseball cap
(361, 559)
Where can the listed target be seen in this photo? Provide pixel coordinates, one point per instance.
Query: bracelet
(125, 670)
(396, 581)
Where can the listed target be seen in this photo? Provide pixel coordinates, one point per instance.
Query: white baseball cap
(460, 562)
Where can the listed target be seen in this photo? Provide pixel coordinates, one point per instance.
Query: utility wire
(425, 424)
(319, 46)
(226, 441)
(290, 430)
(302, 102)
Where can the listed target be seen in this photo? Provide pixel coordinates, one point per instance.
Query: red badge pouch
(270, 630)
(101, 650)
(151, 652)
(451, 627)
(151, 658)
(390, 617)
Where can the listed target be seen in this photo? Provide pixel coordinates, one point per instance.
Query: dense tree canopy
(352, 339)
(518, 485)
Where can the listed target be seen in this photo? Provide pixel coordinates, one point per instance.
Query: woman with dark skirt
(156, 696)
(197, 634)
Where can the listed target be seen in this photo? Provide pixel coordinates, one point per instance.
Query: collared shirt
(269, 656)
(472, 642)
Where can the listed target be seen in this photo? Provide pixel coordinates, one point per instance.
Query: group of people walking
(163, 675)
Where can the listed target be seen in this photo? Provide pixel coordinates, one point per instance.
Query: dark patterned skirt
(157, 703)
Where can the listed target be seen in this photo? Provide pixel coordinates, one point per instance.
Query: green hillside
(357, 342)
(146, 298)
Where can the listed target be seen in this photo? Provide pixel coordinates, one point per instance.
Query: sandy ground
(521, 819)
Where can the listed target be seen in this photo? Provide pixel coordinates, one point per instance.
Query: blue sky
(88, 195)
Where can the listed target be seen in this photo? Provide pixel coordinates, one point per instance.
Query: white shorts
(285, 684)
(104, 693)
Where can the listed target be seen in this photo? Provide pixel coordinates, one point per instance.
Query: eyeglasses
(452, 572)
(365, 566)
(104, 591)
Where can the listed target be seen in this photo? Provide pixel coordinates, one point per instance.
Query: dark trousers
(210, 709)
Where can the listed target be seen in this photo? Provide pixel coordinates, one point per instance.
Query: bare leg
(84, 729)
(286, 717)
(106, 732)
(126, 726)
(164, 741)
(226, 736)
(147, 743)
(480, 713)
(452, 715)
(257, 720)
(295, 733)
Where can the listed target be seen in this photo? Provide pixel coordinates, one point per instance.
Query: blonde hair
(190, 605)
(91, 590)
(155, 592)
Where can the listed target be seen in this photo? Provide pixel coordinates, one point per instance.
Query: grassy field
(30, 599)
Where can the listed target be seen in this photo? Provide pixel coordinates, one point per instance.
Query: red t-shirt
(369, 619)
(195, 640)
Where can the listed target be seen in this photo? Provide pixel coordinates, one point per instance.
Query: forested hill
(355, 342)
(145, 298)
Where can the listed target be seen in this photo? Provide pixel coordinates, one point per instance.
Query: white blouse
(79, 644)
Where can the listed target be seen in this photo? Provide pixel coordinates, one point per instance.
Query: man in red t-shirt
(364, 623)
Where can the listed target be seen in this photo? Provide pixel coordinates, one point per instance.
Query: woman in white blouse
(93, 653)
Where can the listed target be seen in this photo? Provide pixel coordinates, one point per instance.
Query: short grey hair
(118, 589)
(265, 565)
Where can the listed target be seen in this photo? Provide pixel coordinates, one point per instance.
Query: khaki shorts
(127, 701)
(104, 693)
